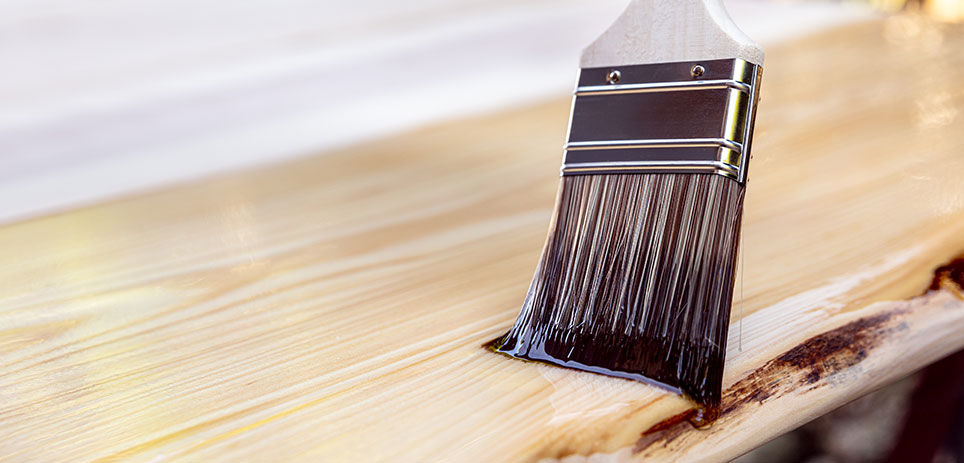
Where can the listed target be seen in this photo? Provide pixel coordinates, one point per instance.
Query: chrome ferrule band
(686, 117)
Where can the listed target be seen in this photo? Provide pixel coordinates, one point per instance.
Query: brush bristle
(636, 280)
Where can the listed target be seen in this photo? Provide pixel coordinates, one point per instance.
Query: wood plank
(334, 308)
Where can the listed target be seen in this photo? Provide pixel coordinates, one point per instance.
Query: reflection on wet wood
(335, 308)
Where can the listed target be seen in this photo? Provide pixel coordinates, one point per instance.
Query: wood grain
(335, 308)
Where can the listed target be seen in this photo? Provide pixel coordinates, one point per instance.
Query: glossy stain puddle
(636, 282)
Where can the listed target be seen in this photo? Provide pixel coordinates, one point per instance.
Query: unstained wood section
(335, 308)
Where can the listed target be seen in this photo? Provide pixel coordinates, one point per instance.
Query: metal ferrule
(686, 117)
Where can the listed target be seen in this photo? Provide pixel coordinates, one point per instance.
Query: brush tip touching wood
(636, 276)
(636, 281)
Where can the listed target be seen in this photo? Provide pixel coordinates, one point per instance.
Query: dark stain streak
(665, 431)
(837, 349)
(818, 358)
(813, 377)
(949, 276)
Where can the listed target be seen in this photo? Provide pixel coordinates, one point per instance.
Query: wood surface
(662, 31)
(335, 308)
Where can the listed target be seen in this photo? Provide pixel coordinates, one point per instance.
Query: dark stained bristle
(636, 281)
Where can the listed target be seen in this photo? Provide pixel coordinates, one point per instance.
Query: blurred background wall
(108, 97)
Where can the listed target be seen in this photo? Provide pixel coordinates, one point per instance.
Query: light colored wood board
(662, 31)
(335, 308)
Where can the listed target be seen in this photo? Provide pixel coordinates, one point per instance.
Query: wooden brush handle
(659, 31)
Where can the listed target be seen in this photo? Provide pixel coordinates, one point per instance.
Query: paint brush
(636, 277)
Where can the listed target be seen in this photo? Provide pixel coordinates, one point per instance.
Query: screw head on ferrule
(697, 71)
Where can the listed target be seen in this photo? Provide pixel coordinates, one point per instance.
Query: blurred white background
(104, 98)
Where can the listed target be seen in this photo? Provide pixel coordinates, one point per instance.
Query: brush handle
(660, 31)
